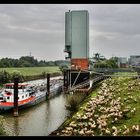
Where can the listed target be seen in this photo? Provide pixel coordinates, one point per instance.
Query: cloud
(40, 28)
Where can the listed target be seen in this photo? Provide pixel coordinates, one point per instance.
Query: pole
(65, 80)
(48, 85)
(16, 80)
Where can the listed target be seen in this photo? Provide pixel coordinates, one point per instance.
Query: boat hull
(40, 97)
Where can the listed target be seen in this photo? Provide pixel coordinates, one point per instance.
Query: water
(39, 120)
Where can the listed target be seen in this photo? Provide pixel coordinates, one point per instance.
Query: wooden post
(64, 80)
(48, 85)
(16, 80)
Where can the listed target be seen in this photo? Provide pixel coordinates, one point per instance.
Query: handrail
(122, 75)
(86, 83)
(80, 85)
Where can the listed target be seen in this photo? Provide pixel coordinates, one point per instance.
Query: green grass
(125, 73)
(30, 71)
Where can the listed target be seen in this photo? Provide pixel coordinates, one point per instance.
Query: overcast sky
(40, 29)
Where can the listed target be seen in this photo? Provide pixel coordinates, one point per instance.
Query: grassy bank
(31, 71)
(112, 109)
(80, 110)
(27, 73)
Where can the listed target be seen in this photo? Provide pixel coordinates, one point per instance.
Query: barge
(28, 95)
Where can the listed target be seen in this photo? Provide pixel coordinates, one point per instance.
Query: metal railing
(82, 84)
(87, 82)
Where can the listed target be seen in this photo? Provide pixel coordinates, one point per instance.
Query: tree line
(110, 63)
(28, 61)
(101, 62)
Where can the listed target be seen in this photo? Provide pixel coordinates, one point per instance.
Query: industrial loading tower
(77, 47)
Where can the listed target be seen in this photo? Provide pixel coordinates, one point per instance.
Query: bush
(44, 74)
(74, 100)
(4, 77)
(63, 68)
(17, 74)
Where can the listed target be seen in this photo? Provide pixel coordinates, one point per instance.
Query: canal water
(39, 120)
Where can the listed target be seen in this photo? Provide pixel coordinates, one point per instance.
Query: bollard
(16, 80)
(48, 86)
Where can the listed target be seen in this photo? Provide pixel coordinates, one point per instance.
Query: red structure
(80, 64)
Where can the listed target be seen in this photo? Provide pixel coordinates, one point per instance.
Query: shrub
(17, 74)
(4, 77)
(74, 100)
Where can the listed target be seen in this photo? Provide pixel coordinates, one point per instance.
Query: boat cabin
(25, 91)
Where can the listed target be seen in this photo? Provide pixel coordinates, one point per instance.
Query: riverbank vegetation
(29, 61)
(74, 100)
(31, 71)
(29, 68)
(27, 73)
(110, 63)
(112, 109)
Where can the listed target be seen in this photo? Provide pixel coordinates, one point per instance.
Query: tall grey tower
(77, 47)
(77, 36)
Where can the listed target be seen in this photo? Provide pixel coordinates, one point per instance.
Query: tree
(18, 74)
(4, 77)
(106, 64)
(112, 63)
(63, 68)
(5, 62)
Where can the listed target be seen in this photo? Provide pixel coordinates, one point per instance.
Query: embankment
(111, 110)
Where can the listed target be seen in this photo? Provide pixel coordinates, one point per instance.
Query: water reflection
(39, 120)
(16, 126)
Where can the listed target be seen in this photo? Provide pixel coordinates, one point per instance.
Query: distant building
(122, 62)
(134, 60)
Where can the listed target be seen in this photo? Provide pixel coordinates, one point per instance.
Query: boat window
(8, 93)
(22, 96)
(26, 95)
(8, 98)
(9, 87)
(31, 93)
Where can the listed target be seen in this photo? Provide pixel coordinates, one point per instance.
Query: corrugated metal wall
(79, 34)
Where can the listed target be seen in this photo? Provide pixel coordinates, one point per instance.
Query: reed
(74, 100)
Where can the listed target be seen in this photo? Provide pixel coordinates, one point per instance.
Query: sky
(114, 30)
